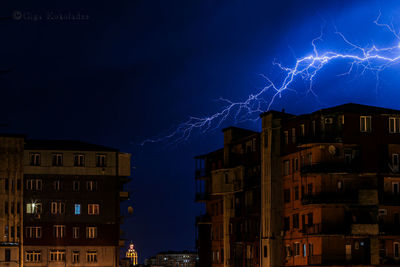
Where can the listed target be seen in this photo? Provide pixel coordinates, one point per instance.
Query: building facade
(173, 259)
(72, 192)
(329, 191)
(11, 199)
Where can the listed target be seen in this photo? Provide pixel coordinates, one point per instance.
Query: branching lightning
(372, 58)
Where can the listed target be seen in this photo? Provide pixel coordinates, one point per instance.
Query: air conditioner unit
(382, 212)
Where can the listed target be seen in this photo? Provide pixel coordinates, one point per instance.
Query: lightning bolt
(306, 68)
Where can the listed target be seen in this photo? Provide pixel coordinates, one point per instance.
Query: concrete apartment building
(11, 199)
(173, 259)
(60, 202)
(329, 191)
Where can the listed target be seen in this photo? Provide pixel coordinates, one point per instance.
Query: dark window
(265, 251)
(310, 189)
(6, 182)
(35, 159)
(75, 185)
(57, 159)
(19, 184)
(286, 223)
(18, 231)
(12, 231)
(12, 207)
(296, 220)
(100, 160)
(310, 219)
(286, 195)
(296, 193)
(79, 160)
(8, 255)
(6, 207)
(18, 208)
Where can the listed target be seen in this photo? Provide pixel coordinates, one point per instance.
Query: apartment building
(183, 258)
(228, 182)
(11, 199)
(72, 192)
(329, 190)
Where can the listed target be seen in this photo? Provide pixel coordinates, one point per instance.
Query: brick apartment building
(65, 195)
(319, 189)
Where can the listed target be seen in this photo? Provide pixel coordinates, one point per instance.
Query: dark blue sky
(136, 68)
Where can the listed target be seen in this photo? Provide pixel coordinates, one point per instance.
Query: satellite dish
(130, 210)
(332, 150)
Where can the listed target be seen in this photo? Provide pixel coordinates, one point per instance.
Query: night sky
(131, 70)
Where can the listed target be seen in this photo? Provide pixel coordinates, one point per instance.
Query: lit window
(57, 159)
(58, 231)
(35, 159)
(91, 256)
(57, 185)
(302, 130)
(79, 160)
(304, 250)
(33, 256)
(100, 160)
(75, 256)
(91, 232)
(57, 255)
(93, 209)
(34, 208)
(288, 251)
(365, 124)
(296, 249)
(75, 232)
(77, 209)
(394, 125)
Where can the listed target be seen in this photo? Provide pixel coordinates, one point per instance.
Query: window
(6, 182)
(57, 207)
(395, 160)
(57, 159)
(304, 250)
(93, 209)
(91, 232)
(296, 164)
(395, 188)
(35, 159)
(7, 255)
(100, 160)
(75, 186)
(34, 208)
(286, 167)
(91, 185)
(310, 249)
(309, 189)
(394, 125)
(265, 251)
(286, 137)
(302, 130)
(6, 231)
(313, 128)
(296, 220)
(57, 185)
(288, 251)
(58, 231)
(396, 249)
(6, 207)
(79, 160)
(365, 124)
(297, 249)
(286, 195)
(12, 207)
(33, 256)
(34, 184)
(75, 256)
(77, 210)
(91, 256)
(310, 219)
(296, 193)
(286, 223)
(309, 157)
(12, 231)
(75, 232)
(19, 184)
(57, 255)
(33, 232)
(293, 135)
(340, 185)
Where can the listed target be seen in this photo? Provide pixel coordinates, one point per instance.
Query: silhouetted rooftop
(35, 144)
(357, 108)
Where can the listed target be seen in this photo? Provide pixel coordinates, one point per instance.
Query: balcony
(389, 229)
(203, 219)
(123, 195)
(364, 229)
(330, 198)
(200, 173)
(331, 167)
(325, 229)
(390, 199)
(338, 259)
(202, 197)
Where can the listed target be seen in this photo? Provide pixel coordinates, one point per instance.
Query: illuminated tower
(132, 254)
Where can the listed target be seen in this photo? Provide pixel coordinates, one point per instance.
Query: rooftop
(73, 145)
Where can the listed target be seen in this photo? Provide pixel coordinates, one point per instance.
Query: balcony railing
(339, 259)
(331, 167)
(330, 197)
